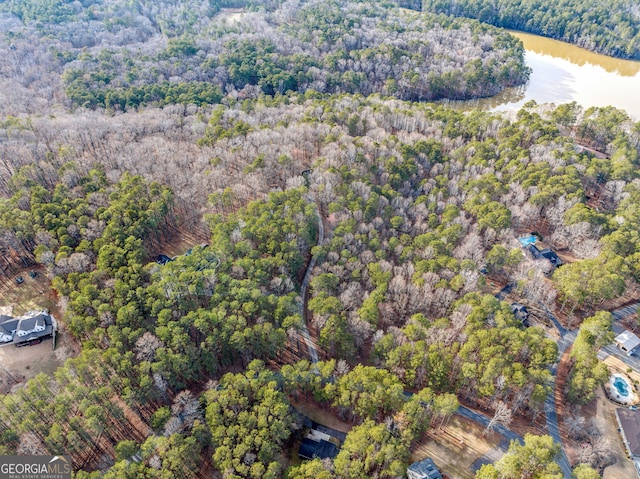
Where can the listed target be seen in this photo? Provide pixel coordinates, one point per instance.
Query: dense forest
(611, 28)
(354, 234)
(416, 200)
(107, 55)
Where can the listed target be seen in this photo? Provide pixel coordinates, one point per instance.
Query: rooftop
(425, 469)
(627, 341)
(321, 449)
(22, 329)
(546, 253)
(630, 423)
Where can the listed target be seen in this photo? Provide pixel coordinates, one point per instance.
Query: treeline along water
(563, 73)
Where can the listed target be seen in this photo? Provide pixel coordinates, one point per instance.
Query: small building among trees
(546, 253)
(321, 442)
(521, 312)
(627, 341)
(313, 447)
(425, 469)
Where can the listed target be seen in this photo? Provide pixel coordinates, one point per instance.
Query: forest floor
(176, 244)
(459, 448)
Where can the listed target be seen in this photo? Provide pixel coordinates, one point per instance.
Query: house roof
(627, 340)
(308, 423)
(425, 469)
(8, 322)
(518, 307)
(8, 325)
(520, 311)
(310, 449)
(341, 436)
(27, 323)
(33, 325)
(630, 423)
(535, 252)
(546, 253)
(549, 254)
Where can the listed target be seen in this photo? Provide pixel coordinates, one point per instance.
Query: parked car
(19, 280)
(163, 259)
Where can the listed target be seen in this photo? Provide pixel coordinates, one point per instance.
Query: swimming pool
(620, 389)
(622, 386)
(527, 240)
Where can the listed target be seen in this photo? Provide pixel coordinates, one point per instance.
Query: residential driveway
(313, 353)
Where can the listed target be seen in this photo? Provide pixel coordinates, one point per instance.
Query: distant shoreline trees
(611, 28)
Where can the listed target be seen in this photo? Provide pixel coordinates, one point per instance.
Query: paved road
(561, 329)
(484, 420)
(566, 340)
(622, 313)
(552, 426)
(313, 353)
(611, 349)
(553, 431)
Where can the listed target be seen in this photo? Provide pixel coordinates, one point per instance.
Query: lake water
(563, 73)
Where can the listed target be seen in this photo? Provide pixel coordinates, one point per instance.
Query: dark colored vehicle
(163, 259)
(19, 279)
(33, 274)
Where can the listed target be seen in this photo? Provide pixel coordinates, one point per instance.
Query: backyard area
(18, 365)
(604, 419)
(34, 293)
(321, 416)
(460, 448)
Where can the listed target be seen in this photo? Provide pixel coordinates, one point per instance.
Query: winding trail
(313, 353)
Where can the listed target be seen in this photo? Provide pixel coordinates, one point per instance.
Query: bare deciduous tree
(502, 416)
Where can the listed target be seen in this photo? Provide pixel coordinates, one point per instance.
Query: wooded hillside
(287, 135)
(611, 28)
(416, 200)
(117, 56)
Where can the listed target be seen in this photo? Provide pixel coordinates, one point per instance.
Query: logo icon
(35, 467)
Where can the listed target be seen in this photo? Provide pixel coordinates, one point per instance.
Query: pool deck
(614, 393)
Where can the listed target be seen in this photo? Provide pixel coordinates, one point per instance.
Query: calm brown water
(563, 73)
